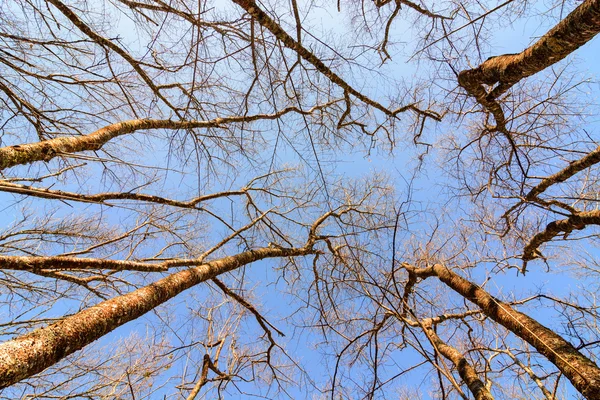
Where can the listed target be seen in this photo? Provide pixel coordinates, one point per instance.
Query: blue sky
(352, 161)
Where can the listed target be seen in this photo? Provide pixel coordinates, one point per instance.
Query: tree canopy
(299, 199)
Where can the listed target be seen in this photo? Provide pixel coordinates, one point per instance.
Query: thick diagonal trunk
(583, 373)
(578, 28)
(29, 354)
(571, 33)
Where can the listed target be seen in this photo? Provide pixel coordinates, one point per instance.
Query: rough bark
(583, 373)
(29, 354)
(464, 368)
(575, 222)
(33, 263)
(46, 150)
(578, 28)
(573, 168)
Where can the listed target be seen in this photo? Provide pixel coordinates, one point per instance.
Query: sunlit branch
(266, 21)
(583, 373)
(575, 222)
(101, 198)
(46, 150)
(29, 354)
(504, 71)
(462, 365)
(573, 168)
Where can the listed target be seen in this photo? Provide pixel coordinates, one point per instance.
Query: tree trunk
(29, 354)
(583, 373)
(574, 31)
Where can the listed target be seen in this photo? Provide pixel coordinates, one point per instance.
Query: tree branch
(583, 373)
(46, 150)
(29, 354)
(578, 28)
(575, 222)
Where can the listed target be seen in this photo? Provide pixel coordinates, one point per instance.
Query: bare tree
(176, 222)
